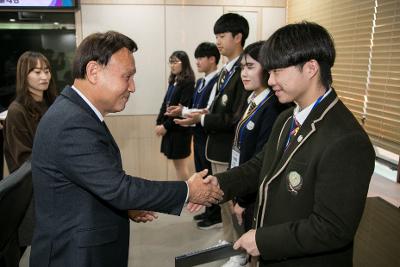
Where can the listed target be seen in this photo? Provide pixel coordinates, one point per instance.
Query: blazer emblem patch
(250, 125)
(295, 182)
(224, 99)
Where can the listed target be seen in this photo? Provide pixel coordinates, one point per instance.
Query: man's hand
(160, 130)
(248, 243)
(174, 111)
(239, 213)
(142, 216)
(192, 207)
(204, 192)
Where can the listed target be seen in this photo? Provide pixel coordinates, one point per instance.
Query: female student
(35, 92)
(255, 126)
(176, 140)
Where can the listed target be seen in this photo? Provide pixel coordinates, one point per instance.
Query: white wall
(161, 29)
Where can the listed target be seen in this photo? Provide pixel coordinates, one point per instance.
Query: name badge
(235, 159)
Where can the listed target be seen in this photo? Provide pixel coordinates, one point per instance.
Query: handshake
(202, 192)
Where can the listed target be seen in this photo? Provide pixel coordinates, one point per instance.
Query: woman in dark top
(255, 126)
(176, 140)
(36, 91)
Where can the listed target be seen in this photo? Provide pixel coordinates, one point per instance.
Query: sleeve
(241, 180)
(88, 159)
(226, 121)
(339, 201)
(19, 137)
(162, 111)
(184, 96)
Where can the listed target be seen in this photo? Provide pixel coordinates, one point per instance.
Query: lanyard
(245, 121)
(229, 76)
(292, 126)
(170, 93)
(199, 95)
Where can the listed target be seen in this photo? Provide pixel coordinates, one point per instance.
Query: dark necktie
(222, 77)
(202, 83)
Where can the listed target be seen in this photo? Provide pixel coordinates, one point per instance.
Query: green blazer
(310, 196)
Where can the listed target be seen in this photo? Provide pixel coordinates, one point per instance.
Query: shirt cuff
(187, 195)
(185, 112)
(202, 119)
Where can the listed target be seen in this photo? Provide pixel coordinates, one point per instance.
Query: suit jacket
(224, 114)
(310, 196)
(81, 192)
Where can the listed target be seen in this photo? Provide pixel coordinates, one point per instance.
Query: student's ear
(311, 68)
(92, 71)
(238, 38)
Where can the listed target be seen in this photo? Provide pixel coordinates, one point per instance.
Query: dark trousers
(201, 163)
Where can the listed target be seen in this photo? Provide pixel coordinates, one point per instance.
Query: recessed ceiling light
(12, 20)
(56, 23)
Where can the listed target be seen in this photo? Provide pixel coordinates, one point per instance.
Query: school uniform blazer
(224, 114)
(81, 192)
(255, 137)
(311, 196)
(182, 95)
(198, 129)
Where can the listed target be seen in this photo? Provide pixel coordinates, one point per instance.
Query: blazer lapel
(284, 156)
(69, 93)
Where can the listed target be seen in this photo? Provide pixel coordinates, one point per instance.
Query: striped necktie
(222, 77)
(295, 128)
(252, 106)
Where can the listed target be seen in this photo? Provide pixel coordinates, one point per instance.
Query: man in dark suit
(313, 174)
(82, 194)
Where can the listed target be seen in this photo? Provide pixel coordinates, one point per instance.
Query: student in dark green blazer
(313, 174)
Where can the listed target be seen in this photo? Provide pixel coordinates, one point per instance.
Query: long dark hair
(26, 63)
(187, 73)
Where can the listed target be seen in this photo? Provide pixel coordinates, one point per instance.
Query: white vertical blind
(366, 74)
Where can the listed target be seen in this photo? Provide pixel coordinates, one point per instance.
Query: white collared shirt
(95, 110)
(185, 110)
(256, 99)
(302, 115)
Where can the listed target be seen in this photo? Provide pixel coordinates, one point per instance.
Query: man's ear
(92, 71)
(311, 68)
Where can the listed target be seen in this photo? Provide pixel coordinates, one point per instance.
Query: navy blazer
(311, 195)
(81, 192)
(254, 138)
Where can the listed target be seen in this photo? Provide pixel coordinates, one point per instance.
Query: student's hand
(174, 111)
(142, 216)
(248, 243)
(160, 130)
(192, 118)
(239, 213)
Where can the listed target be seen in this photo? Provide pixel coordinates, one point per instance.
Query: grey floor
(157, 243)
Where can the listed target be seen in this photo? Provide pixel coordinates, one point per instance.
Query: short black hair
(253, 50)
(295, 44)
(233, 23)
(99, 47)
(207, 49)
